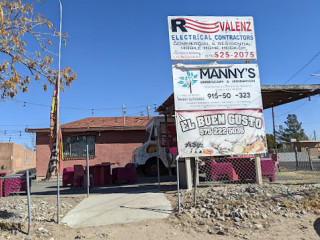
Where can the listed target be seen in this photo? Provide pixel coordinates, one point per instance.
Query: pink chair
(126, 174)
(222, 170)
(2, 174)
(18, 184)
(68, 176)
(275, 161)
(173, 151)
(80, 178)
(267, 169)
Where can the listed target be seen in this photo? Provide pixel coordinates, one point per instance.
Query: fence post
(29, 201)
(58, 197)
(296, 154)
(158, 170)
(195, 179)
(310, 162)
(258, 170)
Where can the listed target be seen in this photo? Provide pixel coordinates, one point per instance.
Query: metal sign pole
(195, 180)
(58, 198)
(178, 182)
(88, 172)
(58, 119)
(29, 201)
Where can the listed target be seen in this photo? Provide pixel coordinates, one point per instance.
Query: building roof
(272, 95)
(100, 124)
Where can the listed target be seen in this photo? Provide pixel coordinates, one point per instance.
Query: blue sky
(120, 51)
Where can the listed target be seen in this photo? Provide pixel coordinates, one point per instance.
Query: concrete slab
(118, 208)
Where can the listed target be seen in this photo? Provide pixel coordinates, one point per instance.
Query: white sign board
(237, 87)
(211, 38)
(220, 132)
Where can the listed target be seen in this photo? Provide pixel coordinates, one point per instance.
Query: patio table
(100, 173)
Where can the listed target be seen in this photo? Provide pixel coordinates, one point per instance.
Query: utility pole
(124, 115)
(314, 135)
(274, 131)
(148, 110)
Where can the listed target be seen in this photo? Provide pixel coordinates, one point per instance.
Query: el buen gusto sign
(211, 38)
(220, 132)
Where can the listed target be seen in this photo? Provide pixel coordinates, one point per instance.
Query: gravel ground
(225, 212)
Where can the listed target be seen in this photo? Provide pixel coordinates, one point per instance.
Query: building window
(75, 146)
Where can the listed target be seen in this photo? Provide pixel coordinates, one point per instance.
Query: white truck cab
(155, 145)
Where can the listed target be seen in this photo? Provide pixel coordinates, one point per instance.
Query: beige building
(303, 146)
(14, 158)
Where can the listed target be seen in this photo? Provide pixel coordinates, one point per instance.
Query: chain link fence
(290, 166)
(299, 166)
(236, 169)
(12, 186)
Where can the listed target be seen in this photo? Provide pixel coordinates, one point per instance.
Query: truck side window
(147, 135)
(153, 135)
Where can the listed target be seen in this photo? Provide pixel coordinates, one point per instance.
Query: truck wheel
(151, 168)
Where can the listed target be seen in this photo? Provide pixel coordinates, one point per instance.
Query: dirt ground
(175, 227)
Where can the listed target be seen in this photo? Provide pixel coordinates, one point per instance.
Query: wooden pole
(258, 170)
(310, 161)
(188, 173)
(274, 132)
(124, 115)
(167, 142)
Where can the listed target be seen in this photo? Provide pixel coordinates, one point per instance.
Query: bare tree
(25, 42)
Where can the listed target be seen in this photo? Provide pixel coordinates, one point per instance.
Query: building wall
(313, 147)
(302, 146)
(14, 158)
(5, 156)
(23, 158)
(112, 146)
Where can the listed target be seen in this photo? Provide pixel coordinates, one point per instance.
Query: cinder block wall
(112, 146)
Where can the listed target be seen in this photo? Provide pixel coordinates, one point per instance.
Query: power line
(293, 109)
(304, 66)
(78, 108)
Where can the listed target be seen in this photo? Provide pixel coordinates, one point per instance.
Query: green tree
(270, 142)
(293, 129)
(26, 49)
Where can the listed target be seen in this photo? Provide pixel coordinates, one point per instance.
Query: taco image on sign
(225, 147)
(237, 149)
(208, 151)
(255, 147)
